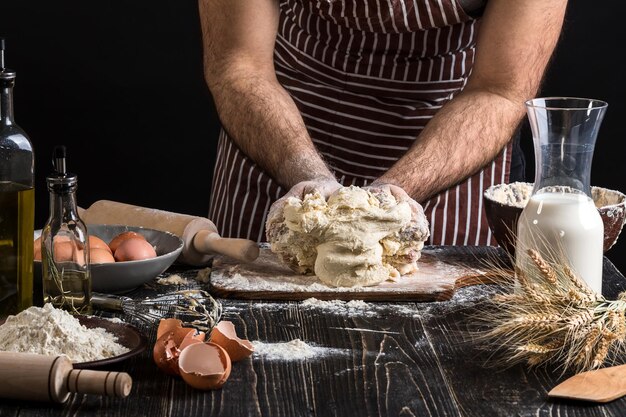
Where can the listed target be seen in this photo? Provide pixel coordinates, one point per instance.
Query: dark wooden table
(391, 359)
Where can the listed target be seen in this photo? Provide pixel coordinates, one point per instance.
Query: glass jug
(561, 220)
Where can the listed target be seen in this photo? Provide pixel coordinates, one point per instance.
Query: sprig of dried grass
(548, 315)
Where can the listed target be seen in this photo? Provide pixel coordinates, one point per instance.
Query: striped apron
(366, 75)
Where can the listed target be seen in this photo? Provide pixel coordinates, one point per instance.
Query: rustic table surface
(389, 359)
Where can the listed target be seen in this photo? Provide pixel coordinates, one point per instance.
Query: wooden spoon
(601, 385)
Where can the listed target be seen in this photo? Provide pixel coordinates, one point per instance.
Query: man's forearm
(464, 136)
(514, 45)
(262, 119)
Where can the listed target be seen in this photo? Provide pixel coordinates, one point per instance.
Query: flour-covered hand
(399, 194)
(324, 185)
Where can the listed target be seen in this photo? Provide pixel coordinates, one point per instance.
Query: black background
(120, 84)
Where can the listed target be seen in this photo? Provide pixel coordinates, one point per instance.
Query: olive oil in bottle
(17, 204)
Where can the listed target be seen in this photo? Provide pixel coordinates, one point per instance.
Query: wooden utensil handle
(112, 384)
(32, 377)
(206, 241)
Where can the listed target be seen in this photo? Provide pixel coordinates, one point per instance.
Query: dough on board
(354, 238)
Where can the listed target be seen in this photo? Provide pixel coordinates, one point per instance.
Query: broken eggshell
(169, 345)
(168, 325)
(165, 354)
(224, 335)
(204, 366)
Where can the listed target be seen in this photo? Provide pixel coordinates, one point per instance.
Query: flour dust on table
(293, 350)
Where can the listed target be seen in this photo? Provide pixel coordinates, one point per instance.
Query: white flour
(354, 308)
(515, 194)
(293, 350)
(335, 304)
(295, 283)
(173, 279)
(203, 275)
(52, 331)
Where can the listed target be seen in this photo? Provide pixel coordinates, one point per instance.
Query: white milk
(566, 222)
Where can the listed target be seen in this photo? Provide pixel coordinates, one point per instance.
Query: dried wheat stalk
(551, 316)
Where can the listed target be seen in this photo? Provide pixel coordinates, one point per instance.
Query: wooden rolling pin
(199, 234)
(28, 376)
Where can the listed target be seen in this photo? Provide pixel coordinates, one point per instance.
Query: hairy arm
(258, 114)
(515, 43)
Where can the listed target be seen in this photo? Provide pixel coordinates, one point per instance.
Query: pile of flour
(52, 331)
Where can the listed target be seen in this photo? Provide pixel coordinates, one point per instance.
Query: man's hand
(324, 185)
(399, 194)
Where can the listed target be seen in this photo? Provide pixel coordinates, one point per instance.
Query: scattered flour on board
(463, 298)
(293, 350)
(51, 331)
(297, 283)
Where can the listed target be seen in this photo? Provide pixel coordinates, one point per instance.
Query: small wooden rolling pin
(28, 376)
(199, 234)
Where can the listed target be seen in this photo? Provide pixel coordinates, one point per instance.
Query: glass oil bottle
(65, 244)
(17, 203)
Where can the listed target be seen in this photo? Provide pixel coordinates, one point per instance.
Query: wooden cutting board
(442, 269)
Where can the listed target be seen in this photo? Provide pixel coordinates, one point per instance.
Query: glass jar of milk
(561, 220)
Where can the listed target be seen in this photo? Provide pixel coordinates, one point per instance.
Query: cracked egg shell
(168, 325)
(165, 354)
(172, 339)
(191, 338)
(204, 366)
(224, 335)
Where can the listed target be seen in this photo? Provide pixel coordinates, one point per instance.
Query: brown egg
(67, 251)
(224, 335)
(204, 366)
(100, 256)
(96, 242)
(37, 251)
(117, 240)
(134, 249)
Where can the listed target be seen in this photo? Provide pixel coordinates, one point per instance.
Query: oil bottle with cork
(17, 203)
(65, 265)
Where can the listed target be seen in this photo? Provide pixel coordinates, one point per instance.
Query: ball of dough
(356, 238)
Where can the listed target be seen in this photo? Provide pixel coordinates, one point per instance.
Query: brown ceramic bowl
(502, 213)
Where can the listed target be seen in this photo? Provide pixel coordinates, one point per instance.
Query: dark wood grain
(392, 359)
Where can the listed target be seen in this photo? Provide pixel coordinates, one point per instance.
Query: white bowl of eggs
(123, 258)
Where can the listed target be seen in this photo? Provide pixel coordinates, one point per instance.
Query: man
(416, 96)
